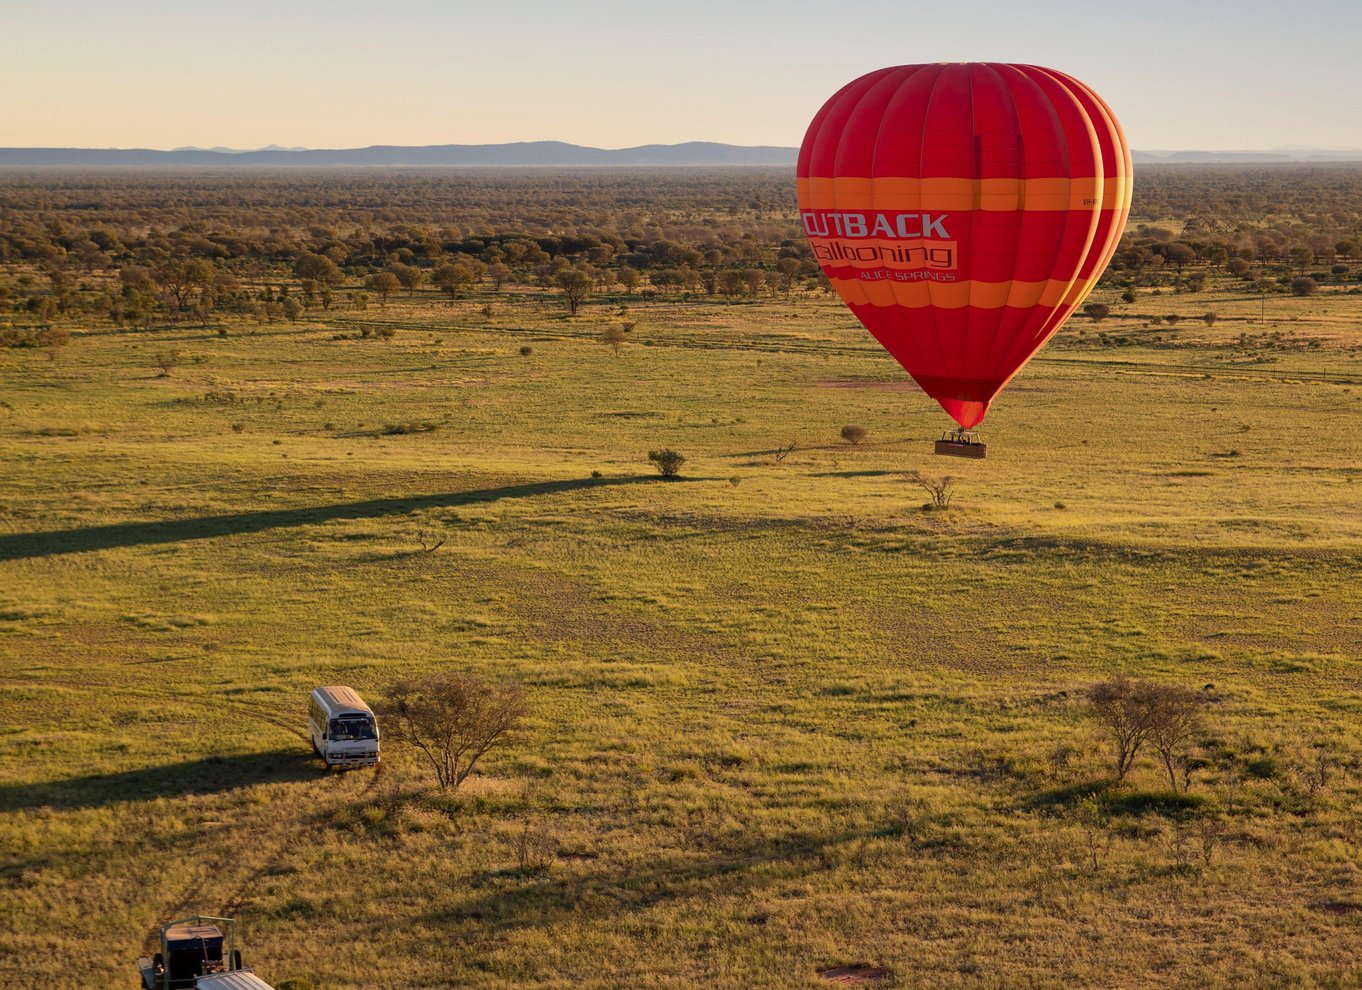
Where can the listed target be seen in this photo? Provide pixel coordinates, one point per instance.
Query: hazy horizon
(1285, 149)
(151, 74)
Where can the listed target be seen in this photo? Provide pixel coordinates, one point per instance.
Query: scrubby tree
(384, 283)
(941, 490)
(614, 337)
(453, 278)
(1132, 713)
(576, 285)
(1304, 285)
(853, 434)
(317, 267)
(1096, 311)
(409, 276)
(452, 719)
(1121, 706)
(668, 461)
(1175, 719)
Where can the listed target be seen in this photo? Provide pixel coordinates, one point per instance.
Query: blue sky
(1191, 74)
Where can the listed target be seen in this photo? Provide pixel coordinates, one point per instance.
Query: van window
(350, 729)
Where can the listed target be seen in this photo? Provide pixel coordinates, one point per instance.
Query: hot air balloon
(964, 211)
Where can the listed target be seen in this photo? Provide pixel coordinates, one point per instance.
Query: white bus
(343, 728)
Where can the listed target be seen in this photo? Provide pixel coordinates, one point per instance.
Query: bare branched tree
(785, 451)
(1135, 712)
(1174, 718)
(452, 719)
(940, 489)
(430, 542)
(1119, 704)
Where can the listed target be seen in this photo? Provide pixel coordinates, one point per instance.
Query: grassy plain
(783, 718)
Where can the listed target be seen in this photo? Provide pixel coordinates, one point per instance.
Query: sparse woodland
(712, 673)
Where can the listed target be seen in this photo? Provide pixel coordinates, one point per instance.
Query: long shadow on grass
(22, 546)
(857, 474)
(508, 900)
(210, 775)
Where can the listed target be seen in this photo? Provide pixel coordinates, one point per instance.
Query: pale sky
(1181, 74)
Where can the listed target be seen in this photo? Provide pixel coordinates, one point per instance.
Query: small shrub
(534, 848)
(853, 434)
(167, 360)
(668, 461)
(411, 426)
(526, 350)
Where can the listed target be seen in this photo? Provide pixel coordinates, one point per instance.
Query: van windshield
(345, 729)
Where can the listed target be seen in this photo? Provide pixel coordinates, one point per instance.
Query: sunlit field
(784, 717)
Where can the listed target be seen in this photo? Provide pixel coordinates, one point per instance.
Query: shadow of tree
(507, 900)
(23, 546)
(209, 775)
(858, 474)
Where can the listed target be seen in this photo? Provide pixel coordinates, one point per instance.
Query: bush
(1303, 286)
(166, 360)
(668, 461)
(526, 350)
(853, 434)
(411, 426)
(614, 337)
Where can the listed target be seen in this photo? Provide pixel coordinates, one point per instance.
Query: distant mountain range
(521, 153)
(551, 153)
(1230, 157)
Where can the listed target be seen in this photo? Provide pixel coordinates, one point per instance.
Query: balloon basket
(961, 443)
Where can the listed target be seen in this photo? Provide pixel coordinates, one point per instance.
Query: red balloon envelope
(963, 211)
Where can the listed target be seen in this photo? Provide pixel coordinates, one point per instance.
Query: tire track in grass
(187, 898)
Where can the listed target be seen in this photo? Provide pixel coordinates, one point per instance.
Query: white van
(343, 728)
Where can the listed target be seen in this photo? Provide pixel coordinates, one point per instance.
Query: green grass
(783, 719)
